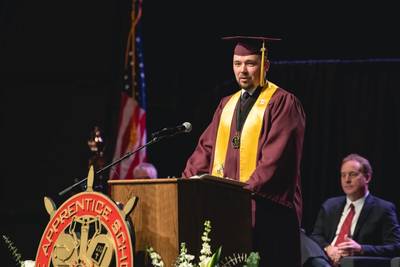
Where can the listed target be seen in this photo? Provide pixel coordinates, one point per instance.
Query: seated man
(358, 223)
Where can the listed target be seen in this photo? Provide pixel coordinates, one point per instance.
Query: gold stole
(249, 135)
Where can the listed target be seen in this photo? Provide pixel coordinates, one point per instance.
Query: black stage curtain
(351, 107)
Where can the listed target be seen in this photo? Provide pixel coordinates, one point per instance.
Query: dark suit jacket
(377, 229)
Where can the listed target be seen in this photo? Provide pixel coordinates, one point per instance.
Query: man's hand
(334, 254)
(349, 247)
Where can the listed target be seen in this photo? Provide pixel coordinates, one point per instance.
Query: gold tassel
(263, 52)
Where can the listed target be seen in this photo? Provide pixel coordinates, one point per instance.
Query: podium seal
(88, 229)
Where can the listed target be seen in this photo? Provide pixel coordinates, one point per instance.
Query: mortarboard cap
(252, 45)
(249, 45)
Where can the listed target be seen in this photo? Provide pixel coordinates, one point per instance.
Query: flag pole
(132, 47)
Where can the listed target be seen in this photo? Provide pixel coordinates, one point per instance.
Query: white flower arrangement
(205, 252)
(206, 258)
(184, 259)
(156, 260)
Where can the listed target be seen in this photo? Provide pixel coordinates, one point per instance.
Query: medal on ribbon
(236, 141)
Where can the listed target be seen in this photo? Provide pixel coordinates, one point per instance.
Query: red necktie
(346, 226)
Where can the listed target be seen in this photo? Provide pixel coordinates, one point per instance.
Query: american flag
(132, 115)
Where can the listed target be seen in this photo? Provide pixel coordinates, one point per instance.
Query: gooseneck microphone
(185, 127)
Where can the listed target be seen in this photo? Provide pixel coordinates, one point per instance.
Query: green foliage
(13, 250)
(252, 260)
(215, 258)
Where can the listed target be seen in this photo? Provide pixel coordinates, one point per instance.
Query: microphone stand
(154, 139)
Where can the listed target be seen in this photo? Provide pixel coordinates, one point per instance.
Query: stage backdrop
(61, 67)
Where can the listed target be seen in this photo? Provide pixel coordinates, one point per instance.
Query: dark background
(60, 75)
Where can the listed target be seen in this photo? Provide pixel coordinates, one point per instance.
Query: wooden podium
(173, 210)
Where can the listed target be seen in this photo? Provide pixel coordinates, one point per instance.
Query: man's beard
(247, 85)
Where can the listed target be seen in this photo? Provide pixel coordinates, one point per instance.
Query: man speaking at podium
(256, 136)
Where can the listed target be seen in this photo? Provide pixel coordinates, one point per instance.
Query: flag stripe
(132, 122)
(132, 132)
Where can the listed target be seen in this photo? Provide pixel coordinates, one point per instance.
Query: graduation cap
(252, 45)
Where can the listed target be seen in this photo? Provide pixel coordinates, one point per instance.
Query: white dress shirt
(358, 204)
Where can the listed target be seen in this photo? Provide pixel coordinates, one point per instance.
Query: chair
(310, 250)
(366, 261)
(395, 262)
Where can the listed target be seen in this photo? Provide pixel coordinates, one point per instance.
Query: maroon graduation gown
(277, 173)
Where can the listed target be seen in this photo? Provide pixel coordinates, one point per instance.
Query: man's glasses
(351, 174)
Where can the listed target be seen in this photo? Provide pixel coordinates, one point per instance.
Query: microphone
(185, 127)
(156, 137)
